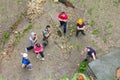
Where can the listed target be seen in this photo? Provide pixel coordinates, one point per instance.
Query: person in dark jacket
(46, 34)
(80, 27)
(91, 53)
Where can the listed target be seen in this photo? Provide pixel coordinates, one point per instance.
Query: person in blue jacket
(26, 62)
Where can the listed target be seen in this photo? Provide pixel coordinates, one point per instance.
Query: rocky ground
(62, 55)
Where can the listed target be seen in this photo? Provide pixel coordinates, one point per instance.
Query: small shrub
(83, 66)
(6, 35)
(64, 78)
(96, 32)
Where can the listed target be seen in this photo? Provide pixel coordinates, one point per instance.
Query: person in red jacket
(38, 49)
(63, 18)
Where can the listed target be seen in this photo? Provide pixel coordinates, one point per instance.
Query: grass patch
(96, 32)
(92, 23)
(27, 29)
(6, 37)
(90, 11)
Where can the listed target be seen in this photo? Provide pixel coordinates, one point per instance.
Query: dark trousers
(77, 32)
(64, 24)
(41, 54)
(30, 47)
(45, 41)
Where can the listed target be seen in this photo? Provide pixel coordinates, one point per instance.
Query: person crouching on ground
(46, 34)
(33, 40)
(38, 49)
(90, 53)
(63, 18)
(26, 62)
(80, 27)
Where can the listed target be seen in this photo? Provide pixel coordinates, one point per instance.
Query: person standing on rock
(80, 27)
(90, 53)
(46, 34)
(26, 62)
(63, 18)
(33, 40)
(38, 49)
